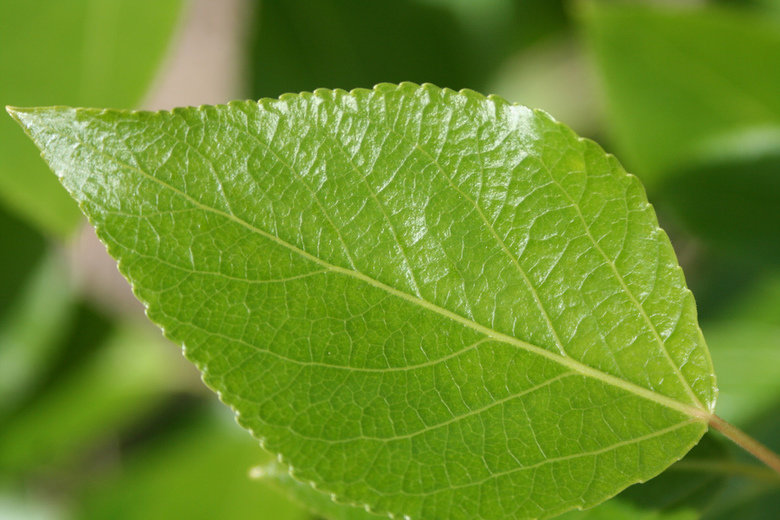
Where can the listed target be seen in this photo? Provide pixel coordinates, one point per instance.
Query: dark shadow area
(733, 205)
(300, 46)
(86, 332)
(24, 248)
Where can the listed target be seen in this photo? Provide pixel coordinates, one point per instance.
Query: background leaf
(676, 77)
(31, 333)
(747, 355)
(168, 477)
(29, 248)
(411, 294)
(79, 52)
(299, 45)
(698, 194)
(750, 498)
(124, 379)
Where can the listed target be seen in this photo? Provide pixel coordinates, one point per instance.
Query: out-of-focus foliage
(700, 194)
(78, 52)
(110, 387)
(690, 90)
(300, 45)
(197, 467)
(692, 103)
(748, 357)
(676, 79)
(28, 249)
(751, 494)
(32, 330)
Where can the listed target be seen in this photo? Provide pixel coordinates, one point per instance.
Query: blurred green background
(101, 418)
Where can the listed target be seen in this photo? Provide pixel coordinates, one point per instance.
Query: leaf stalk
(746, 442)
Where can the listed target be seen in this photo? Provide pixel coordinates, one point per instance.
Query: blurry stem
(746, 442)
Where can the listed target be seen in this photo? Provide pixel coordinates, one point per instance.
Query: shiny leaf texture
(427, 302)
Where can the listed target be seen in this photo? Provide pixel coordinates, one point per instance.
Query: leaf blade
(384, 203)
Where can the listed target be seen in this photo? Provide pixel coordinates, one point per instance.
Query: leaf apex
(28, 116)
(18, 114)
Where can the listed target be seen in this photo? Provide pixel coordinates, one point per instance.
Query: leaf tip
(16, 112)
(23, 115)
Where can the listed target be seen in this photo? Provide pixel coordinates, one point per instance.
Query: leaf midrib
(642, 313)
(585, 370)
(619, 277)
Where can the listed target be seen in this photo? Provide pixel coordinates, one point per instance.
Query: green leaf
(697, 194)
(278, 476)
(298, 43)
(198, 470)
(432, 303)
(748, 354)
(30, 333)
(675, 78)
(80, 52)
(681, 492)
(127, 378)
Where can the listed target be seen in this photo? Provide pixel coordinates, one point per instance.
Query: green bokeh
(74, 52)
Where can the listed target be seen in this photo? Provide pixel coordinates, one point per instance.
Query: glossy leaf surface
(433, 303)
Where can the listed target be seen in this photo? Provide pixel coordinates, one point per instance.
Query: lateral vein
(692, 411)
